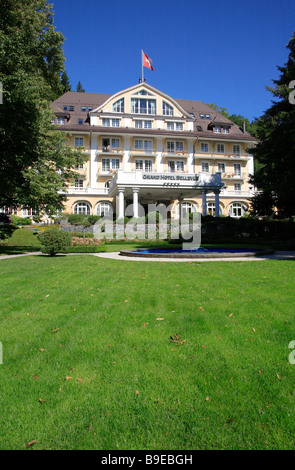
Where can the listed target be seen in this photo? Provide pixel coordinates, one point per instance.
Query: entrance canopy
(164, 187)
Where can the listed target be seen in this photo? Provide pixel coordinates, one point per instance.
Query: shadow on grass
(17, 250)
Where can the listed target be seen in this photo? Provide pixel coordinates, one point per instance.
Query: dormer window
(167, 109)
(143, 106)
(175, 126)
(61, 121)
(118, 106)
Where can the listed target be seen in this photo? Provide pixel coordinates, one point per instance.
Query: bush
(54, 241)
(21, 220)
(153, 217)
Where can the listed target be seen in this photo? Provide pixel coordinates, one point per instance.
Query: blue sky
(216, 51)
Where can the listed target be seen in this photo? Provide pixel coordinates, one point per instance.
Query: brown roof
(202, 126)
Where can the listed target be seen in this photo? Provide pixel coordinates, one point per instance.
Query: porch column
(121, 203)
(135, 202)
(204, 203)
(216, 203)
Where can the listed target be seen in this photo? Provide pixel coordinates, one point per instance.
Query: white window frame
(204, 147)
(108, 164)
(237, 209)
(237, 169)
(143, 106)
(143, 144)
(79, 183)
(175, 166)
(81, 207)
(205, 167)
(221, 167)
(142, 124)
(144, 165)
(79, 141)
(236, 149)
(109, 122)
(104, 208)
(119, 106)
(167, 109)
(220, 148)
(174, 146)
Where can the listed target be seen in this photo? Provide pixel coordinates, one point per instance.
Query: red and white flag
(146, 61)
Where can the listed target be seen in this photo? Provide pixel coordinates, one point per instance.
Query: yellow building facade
(145, 147)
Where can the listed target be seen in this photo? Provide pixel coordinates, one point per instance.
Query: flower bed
(77, 241)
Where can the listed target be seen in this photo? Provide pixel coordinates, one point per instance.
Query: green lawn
(105, 354)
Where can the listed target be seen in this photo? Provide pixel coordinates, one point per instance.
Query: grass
(105, 354)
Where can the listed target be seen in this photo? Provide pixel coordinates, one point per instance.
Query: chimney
(244, 127)
(139, 81)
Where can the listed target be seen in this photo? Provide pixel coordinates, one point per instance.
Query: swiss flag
(147, 62)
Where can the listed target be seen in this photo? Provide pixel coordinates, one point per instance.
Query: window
(236, 209)
(186, 208)
(107, 122)
(211, 208)
(167, 109)
(237, 169)
(79, 166)
(144, 165)
(205, 116)
(80, 122)
(107, 186)
(205, 167)
(225, 130)
(221, 167)
(118, 106)
(79, 141)
(104, 209)
(71, 108)
(83, 109)
(175, 166)
(79, 183)
(109, 164)
(61, 121)
(174, 146)
(175, 126)
(82, 208)
(220, 148)
(217, 129)
(110, 144)
(143, 106)
(139, 124)
(89, 108)
(28, 212)
(238, 186)
(237, 150)
(146, 145)
(204, 147)
(65, 108)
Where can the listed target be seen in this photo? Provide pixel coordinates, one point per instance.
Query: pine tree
(35, 162)
(275, 169)
(65, 82)
(80, 88)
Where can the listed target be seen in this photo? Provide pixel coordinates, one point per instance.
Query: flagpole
(141, 65)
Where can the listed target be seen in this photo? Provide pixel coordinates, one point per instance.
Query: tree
(275, 171)
(65, 82)
(35, 162)
(80, 88)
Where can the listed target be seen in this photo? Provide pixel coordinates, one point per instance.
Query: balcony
(144, 152)
(110, 150)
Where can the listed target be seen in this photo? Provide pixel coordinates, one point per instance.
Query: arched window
(237, 209)
(104, 209)
(211, 208)
(186, 208)
(118, 106)
(82, 208)
(167, 109)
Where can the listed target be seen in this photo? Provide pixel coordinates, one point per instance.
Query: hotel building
(145, 147)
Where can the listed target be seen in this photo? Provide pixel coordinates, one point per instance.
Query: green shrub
(153, 217)
(92, 219)
(54, 241)
(21, 220)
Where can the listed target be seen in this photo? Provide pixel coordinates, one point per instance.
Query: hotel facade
(145, 147)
